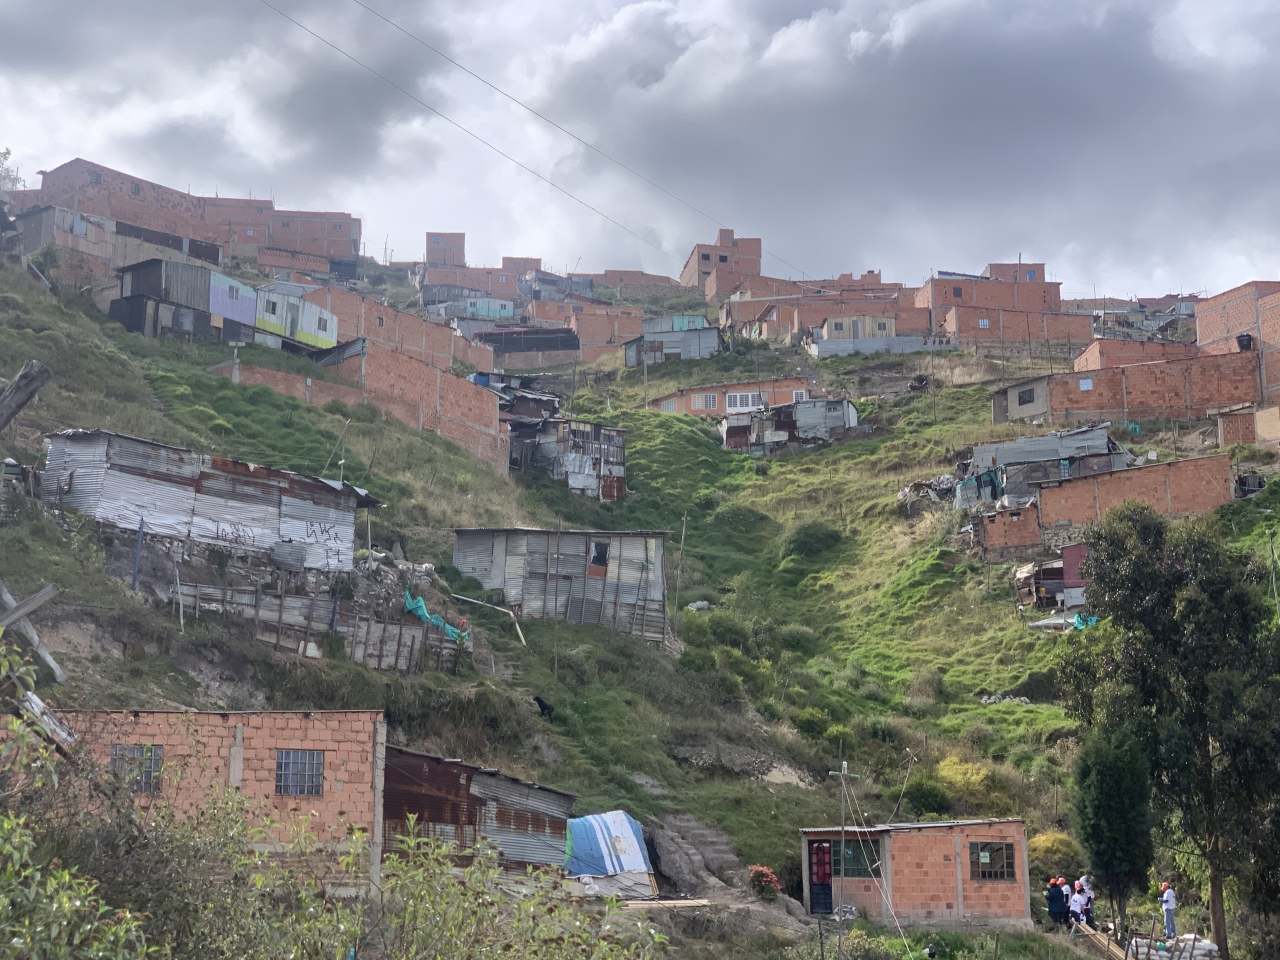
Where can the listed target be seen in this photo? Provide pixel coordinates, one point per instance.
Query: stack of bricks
(1178, 488)
(204, 751)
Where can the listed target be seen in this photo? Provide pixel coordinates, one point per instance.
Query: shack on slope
(1011, 467)
(466, 804)
(243, 508)
(612, 578)
(793, 427)
(605, 856)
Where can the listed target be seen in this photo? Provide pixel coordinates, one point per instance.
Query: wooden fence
(406, 645)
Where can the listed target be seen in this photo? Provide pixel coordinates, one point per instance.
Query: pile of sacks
(996, 698)
(1189, 946)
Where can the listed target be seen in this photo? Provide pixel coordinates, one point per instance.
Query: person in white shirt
(1168, 900)
(1078, 901)
(1087, 888)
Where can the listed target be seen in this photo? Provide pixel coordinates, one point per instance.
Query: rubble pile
(1189, 946)
(996, 698)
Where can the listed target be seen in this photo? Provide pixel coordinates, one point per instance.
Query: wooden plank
(28, 606)
(22, 389)
(395, 664)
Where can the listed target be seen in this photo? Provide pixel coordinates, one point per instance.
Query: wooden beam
(28, 606)
(22, 389)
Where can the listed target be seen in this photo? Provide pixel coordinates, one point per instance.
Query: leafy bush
(366, 413)
(1054, 853)
(808, 540)
(728, 630)
(337, 408)
(698, 660)
(928, 797)
(798, 638)
(812, 722)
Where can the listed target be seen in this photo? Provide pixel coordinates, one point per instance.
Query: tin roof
(363, 497)
(925, 825)
(490, 771)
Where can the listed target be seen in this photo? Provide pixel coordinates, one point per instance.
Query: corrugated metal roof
(923, 825)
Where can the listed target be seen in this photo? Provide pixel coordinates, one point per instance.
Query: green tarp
(418, 608)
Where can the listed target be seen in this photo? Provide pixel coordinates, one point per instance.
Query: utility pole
(684, 523)
(644, 362)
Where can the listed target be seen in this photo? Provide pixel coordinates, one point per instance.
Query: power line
(470, 133)
(568, 133)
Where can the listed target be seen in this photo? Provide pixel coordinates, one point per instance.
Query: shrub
(698, 660)
(1056, 853)
(808, 540)
(729, 684)
(797, 637)
(337, 408)
(728, 631)
(764, 882)
(928, 797)
(812, 722)
(366, 413)
(872, 691)
(694, 629)
(926, 686)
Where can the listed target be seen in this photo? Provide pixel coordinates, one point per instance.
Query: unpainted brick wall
(1105, 352)
(1236, 428)
(1177, 488)
(198, 758)
(1169, 388)
(1010, 528)
(963, 322)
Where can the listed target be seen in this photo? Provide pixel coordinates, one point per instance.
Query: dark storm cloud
(1130, 143)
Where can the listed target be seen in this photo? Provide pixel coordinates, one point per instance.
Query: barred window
(861, 858)
(143, 764)
(991, 861)
(299, 773)
(1026, 396)
(706, 401)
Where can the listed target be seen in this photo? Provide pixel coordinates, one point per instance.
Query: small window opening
(600, 553)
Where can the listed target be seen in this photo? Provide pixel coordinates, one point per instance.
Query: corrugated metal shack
(1015, 465)
(463, 803)
(241, 507)
(613, 578)
(676, 337)
(161, 297)
(590, 456)
(802, 425)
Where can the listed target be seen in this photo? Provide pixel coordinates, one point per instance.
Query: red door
(819, 876)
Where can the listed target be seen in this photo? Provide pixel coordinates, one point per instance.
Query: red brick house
(956, 874)
(715, 400)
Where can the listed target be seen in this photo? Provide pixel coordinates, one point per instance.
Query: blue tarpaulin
(605, 844)
(418, 608)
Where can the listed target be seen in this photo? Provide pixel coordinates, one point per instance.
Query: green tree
(1189, 661)
(1113, 813)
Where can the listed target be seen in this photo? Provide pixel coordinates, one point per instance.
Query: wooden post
(257, 610)
(311, 611)
(22, 389)
(280, 609)
(395, 665)
(182, 627)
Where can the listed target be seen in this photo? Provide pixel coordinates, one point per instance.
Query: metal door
(819, 876)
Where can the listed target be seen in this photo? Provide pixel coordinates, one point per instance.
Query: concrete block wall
(1167, 388)
(1177, 488)
(1103, 353)
(203, 751)
(431, 343)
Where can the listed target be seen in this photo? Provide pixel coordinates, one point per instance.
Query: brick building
(1188, 389)
(973, 324)
(953, 874)
(1011, 533)
(415, 393)
(615, 278)
(445, 249)
(431, 343)
(547, 312)
(1106, 352)
(491, 281)
(715, 400)
(289, 764)
(241, 227)
(730, 258)
(602, 335)
(1251, 309)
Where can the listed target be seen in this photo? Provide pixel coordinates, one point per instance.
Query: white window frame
(984, 323)
(668, 406)
(707, 401)
(1086, 383)
(749, 400)
(798, 395)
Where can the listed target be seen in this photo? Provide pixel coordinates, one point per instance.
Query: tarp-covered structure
(239, 507)
(605, 853)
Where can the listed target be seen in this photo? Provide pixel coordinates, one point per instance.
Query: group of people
(1068, 902)
(1075, 902)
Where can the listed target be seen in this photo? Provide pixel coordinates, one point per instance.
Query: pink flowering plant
(764, 882)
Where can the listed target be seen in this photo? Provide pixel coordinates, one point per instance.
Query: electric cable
(569, 133)
(470, 133)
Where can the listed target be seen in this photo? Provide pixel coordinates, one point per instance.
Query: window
(502, 278)
(723, 258)
(95, 177)
(322, 324)
(283, 224)
(271, 307)
(437, 240)
(861, 858)
(135, 188)
(991, 861)
(1086, 383)
(705, 256)
(1031, 274)
(299, 773)
(626, 313)
(742, 401)
(141, 764)
(798, 395)
(882, 326)
(560, 309)
(600, 553)
(249, 233)
(382, 321)
(706, 273)
(337, 226)
(706, 401)
(957, 291)
(577, 309)
(838, 325)
(668, 406)
(1026, 396)
(233, 293)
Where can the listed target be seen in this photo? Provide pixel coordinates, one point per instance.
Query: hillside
(843, 621)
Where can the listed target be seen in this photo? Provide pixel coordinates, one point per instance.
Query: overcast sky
(1133, 145)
